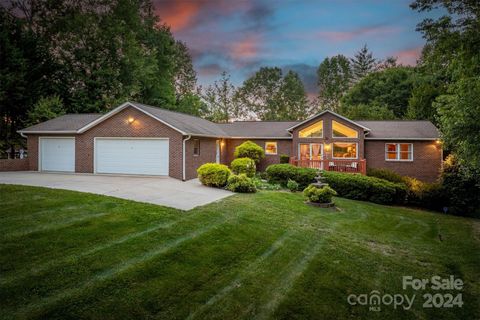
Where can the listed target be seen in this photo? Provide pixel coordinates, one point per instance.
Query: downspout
(183, 157)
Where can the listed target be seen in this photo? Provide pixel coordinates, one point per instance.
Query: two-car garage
(142, 156)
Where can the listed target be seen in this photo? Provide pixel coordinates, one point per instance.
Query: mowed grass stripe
(19, 276)
(73, 272)
(114, 271)
(65, 223)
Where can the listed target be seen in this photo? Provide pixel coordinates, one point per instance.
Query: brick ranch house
(139, 139)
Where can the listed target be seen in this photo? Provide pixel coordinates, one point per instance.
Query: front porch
(343, 165)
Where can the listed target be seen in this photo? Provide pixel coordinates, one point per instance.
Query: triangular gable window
(313, 131)
(342, 131)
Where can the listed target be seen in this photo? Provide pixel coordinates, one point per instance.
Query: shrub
(213, 174)
(425, 195)
(359, 187)
(319, 195)
(462, 188)
(385, 174)
(284, 158)
(244, 165)
(292, 185)
(281, 173)
(241, 183)
(251, 150)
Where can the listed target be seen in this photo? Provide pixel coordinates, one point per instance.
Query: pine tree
(363, 63)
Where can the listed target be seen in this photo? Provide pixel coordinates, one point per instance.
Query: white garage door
(57, 154)
(131, 156)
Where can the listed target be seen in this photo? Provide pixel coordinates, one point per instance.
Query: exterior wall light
(131, 120)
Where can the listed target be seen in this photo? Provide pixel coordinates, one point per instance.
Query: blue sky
(240, 36)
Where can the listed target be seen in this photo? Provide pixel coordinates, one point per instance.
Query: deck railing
(338, 165)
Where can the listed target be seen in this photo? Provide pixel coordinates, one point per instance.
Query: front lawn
(267, 255)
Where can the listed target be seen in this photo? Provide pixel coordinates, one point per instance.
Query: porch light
(131, 120)
(438, 141)
(327, 146)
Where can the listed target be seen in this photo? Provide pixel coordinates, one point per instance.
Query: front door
(311, 151)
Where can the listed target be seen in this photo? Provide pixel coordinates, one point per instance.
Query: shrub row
(281, 173)
(359, 187)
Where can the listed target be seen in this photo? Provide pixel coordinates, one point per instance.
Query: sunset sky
(239, 36)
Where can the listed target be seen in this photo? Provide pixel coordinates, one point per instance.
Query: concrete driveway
(163, 191)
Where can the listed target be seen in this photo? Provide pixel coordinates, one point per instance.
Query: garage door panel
(57, 154)
(132, 156)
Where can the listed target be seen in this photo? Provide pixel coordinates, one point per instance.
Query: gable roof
(401, 130)
(331, 112)
(69, 123)
(258, 129)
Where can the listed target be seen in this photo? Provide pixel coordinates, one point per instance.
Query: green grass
(254, 256)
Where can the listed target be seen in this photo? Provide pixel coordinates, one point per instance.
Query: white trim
(341, 158)
(276, 148)
(120, 108)
(125, 138)
(39, 160)
(184, 174)
(329, 111)
(397, 139)
(333, 137)
(47, 132)
(397, 151)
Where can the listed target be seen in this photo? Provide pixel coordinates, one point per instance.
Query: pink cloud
(245, 48)
(408, 56)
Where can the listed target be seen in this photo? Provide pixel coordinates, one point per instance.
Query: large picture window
(313, 131)
(345, 150)
(399, 152)
(342, 131)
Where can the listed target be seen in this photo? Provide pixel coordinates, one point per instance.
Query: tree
(334, 79)
(363, 63)
(452, 55)
(420, 104)
(46, 109)
(293, 97)
(185, 74)
(366, 112)
(389, 62)
(391, 88)
(191, 103)
(221, 100)
(268, 95)
(26, 72)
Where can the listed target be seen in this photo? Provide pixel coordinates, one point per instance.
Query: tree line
(90, 55)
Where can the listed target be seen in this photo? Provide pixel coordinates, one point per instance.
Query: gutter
(183, 156)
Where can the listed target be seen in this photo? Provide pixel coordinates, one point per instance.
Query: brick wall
(14, 164)
(207, 154)
(426, 164)
(327, 136)
(283, 147)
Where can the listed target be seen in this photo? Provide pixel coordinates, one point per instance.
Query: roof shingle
(67, 122)
(407, 129)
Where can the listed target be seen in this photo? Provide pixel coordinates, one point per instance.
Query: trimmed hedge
(385, 174)
(213, 174)
(244, 165)
(251, 150)
(359, 187)
(319, 195)
(241, 183)
(284, 158)
(281, 173)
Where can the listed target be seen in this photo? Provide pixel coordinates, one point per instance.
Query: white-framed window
(313, 131)
(270, 147)
(398, 152)
(340, 130)
(196, 147)
(345, 150)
